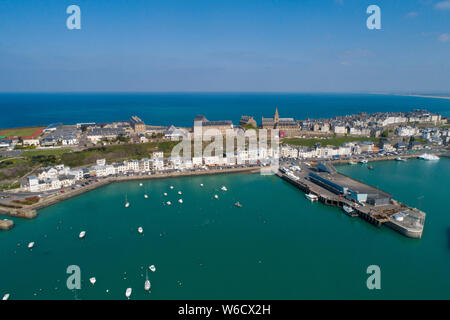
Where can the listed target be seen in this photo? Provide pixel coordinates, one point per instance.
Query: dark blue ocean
(18, 110)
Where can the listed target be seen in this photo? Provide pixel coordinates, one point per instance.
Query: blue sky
(225, 45)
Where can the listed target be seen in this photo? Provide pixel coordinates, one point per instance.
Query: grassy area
(9, 186)
(335, 141)
(19, 132)
(46, 152)
(116, 153)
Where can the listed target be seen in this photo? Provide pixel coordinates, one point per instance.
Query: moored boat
(238, 204)
(348, 210)
(428, 157)
(311, 197)
(92, 280)
(128, 292)
(82, 234)
(30, 245)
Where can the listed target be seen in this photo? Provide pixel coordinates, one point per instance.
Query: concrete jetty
(369, 203)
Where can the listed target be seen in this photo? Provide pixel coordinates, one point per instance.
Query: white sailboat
(82, 234)
(152, 268)
(30, 245)
(169, 203)
(92, 280)
(165, 194)
(140, 184)
(180, 200)
(201, 184)
(224, 188)
(6, 297)
(171, 187)
(216, 196)
(147, 284)
(140, 230)
(127, 204)
(179, 192)
(128, 292)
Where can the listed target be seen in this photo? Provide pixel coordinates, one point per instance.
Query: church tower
(276, 117)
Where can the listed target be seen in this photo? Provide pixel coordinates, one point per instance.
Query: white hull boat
(128, 292)
(311, 197)
(82, 234)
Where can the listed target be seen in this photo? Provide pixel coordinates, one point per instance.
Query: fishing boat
(92, 280)
(152, 268)
(147, 284)
(30, 245)
(180, 200)
(128, 292)
(6, 297)
(428, 157)
(82, 234)
(311, 197)
(216, 196)
(224, 188)
(238, 204)
(127, 204)
(140, 230)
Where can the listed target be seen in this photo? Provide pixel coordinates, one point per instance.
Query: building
(137, 125)
(206, 124)
(247, 121)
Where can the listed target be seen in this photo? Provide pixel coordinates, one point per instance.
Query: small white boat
(6, 297)
(179, 192)
(348, 210)
(152, 268)
(201, 184)
(92, 280)
(311, 197)
(216, 196)
(180, 200)
(352, 162)
(400, 159)
(224, 188)
(146, 196)
(127, 204)
(140, 230)
(238, 204)
(428, 157)
(30, 245)
(165, 194)
(363, 161)
(171, 187)
(147, 284)
(169, 203)
(140, 184)
(82, 234)
(128, 292)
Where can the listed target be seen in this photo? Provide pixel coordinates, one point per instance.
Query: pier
(369, 203)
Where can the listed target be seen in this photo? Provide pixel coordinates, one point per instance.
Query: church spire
(276, 117)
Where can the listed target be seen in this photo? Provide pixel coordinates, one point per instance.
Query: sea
(277, 246)
(179, 109)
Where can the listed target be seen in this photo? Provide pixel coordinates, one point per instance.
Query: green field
(19, 132)
(47, 152)
(336, 141)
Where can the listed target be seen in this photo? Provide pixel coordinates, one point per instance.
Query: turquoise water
(278, 246)
(180, 109)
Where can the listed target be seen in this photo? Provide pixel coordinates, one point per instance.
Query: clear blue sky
(225, 45)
